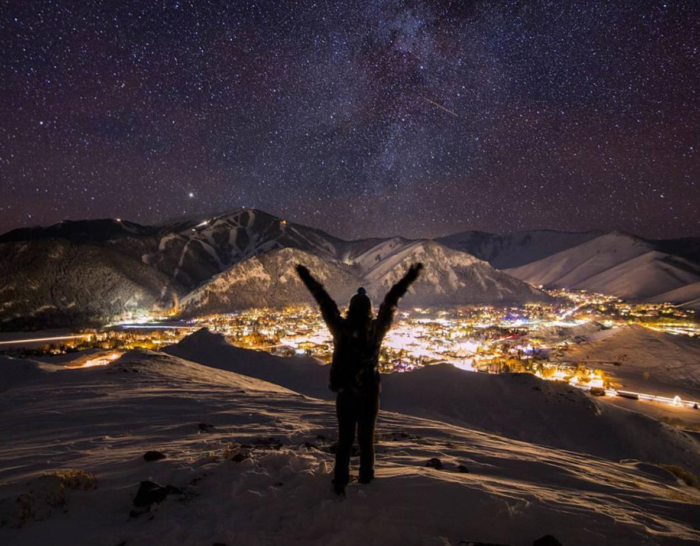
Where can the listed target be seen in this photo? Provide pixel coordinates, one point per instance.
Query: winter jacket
(356, 349)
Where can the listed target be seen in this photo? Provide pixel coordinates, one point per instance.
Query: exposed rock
(240, 456)
(547, 540)
(153, 455)
(151, 493)
(434, 463)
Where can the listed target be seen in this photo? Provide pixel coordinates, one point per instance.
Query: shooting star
(440, 106)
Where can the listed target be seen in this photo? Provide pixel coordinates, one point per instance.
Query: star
(366, 118)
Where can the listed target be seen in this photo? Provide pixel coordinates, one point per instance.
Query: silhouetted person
(354, 373)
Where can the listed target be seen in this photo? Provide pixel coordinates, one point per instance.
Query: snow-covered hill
(687, 296)
(249, 462)
(615, 263)
(196, 249)
(302, 374)
(518, 406)
(450, 277)
(515, 249)
(140, 266)
(269, 280)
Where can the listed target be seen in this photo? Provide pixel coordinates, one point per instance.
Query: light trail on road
(44, 339)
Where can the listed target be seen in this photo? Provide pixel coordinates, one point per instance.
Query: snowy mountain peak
(270, 280)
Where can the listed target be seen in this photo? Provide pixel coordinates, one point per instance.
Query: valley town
(534, 338)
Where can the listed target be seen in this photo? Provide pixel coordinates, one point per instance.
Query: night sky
(377, 117)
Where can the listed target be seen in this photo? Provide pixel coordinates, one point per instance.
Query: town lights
(99, 361)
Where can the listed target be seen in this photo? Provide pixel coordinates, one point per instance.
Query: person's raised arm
(329, 309)
(388, 308)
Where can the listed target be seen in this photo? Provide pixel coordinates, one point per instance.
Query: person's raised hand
(414, 271)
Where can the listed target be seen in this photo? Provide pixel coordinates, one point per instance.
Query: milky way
(381, 117)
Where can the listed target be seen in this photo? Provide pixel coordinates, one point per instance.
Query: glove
(414, 271)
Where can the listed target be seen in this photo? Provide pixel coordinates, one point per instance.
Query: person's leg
(346, 436)
(369, 408)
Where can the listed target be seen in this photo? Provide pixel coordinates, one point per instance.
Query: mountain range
(99, 270)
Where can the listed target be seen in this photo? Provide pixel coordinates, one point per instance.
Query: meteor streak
(440, 106)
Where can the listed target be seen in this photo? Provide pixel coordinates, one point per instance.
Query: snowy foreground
(249, 461)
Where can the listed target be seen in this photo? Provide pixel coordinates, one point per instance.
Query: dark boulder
(151, 493)
(153, 456)
(547, 540)
(240, 456)
(434, 463)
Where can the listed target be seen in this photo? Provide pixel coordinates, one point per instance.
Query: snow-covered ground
(517, 406)
(103, 419)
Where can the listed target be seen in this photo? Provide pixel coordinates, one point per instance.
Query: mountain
(84, 231)
(194, 250)
(55, 282)
(685, 247)
(686, 296)
(515, 249)
(72, 273)
(615, 263)
(269, 280)
(449, 278)
(109, 268)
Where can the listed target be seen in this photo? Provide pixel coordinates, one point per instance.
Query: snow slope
(195, 249)
(270, 280)
(615, 263)
(517, 406)
(450, 277)
(102, 420)
(515, 249)
(645, 277)
(686, 296)
(524, 407)
(301, 374)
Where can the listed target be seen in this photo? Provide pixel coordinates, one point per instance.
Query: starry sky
(363, 118)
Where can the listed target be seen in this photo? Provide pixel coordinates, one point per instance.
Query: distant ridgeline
(89, 271)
